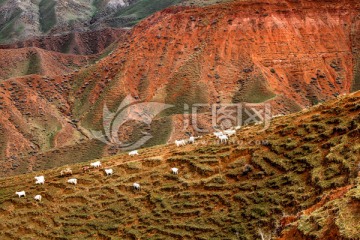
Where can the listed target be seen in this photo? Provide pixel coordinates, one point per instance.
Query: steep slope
(132, 14)
(290, 54)
(136, 10)
(223, 191)
(355, 39)
(82, 43)
(20, 20)
(34, 118)
(24, 19)
(228, 53)
(26, 61)
(336, 216)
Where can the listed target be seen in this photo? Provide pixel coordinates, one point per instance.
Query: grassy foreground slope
(230, 191)
(337, 212)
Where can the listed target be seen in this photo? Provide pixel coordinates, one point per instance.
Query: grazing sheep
(40, 180)
(95, 164)
(180, 143)
(136, 186)
(20, 194)
(229, 132)
(218, 134)
(192, 140)
(133, 153)
(175, 170)
(38, 198)
(223, 138)
(278, 115)
(109, 172)
(66, 171)
(72, 181)
(86, 169)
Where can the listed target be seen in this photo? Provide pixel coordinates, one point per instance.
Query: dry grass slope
(222, 191)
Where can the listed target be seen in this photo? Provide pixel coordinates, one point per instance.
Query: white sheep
(223, 138)
(95, 164)
(229, 132)
(133, 153)
(72, 181)
(175, 170)
(218, 134)
(40, 180)
(20, 194)
(38, 198)
(278, 115)
(66, 171)
(109, 172)
(136, 186)
(192, 140)
(180, 143)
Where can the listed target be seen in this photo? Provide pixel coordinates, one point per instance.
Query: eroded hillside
(33, 118)
(290, 54)
(299, 169)
(20, 20)
(81, 43)
(25, 19)
(27, 61)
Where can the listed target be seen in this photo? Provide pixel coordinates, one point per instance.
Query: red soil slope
(296, 52)
(34, 118)
(26, 61)
(83, 43)
(291, 53)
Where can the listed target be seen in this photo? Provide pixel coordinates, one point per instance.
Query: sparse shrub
(333, 121)
(247, 169)
(290, 145)
(134, 165)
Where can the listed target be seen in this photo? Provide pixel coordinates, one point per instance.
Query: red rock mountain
(81, 43)
(26, 61)
(292, 54)
(296, 53)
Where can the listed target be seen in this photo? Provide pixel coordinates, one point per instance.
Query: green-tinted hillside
(223, 191)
